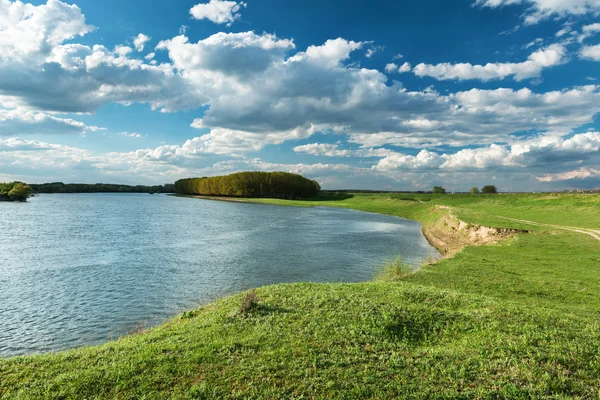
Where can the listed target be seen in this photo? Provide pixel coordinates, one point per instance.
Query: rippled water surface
(79, 269)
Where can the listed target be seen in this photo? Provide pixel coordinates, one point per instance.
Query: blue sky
(373, 95)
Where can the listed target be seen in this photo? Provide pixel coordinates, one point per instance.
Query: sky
(388, 95)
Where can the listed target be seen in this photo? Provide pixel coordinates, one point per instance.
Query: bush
(489, 189)
(439, 190)
(279, 185)
(475, 190)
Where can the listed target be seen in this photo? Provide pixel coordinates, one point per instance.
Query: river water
(80, 269)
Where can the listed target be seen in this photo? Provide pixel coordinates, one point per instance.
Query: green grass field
(516, 319)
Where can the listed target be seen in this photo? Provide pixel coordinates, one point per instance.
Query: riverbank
(512, 319)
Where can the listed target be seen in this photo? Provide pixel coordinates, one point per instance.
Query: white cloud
(330, 54)
(391, 67)
(539, 152)
(29, 32)
(218, 11)
(133, 135)
(140, 41)
(581, 173)
(23, 122)
(150, 56)
(123, 51)
(372, 50)
(323, 149)
(534, 42)
(406, 67)
(590, 52)
(542, 9)
(550, 56)
(589, 31)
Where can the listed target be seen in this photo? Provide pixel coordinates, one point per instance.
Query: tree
(475, 190)
(489, 189)
(439, 190)
(15, 191)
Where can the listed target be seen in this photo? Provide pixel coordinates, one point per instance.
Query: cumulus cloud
(140, 41)
(581, 173)
(532, 153)
(29, 32)
(542, 9)
(392, 67)
(590, 52)
(330, 54)
(218, 11)
(548, 57)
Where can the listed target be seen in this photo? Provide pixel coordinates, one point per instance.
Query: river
(80, 269)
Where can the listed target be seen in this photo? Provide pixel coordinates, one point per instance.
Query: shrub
(489, 189)
(249, 303)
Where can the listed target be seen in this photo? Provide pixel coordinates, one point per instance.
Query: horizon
(382, 96)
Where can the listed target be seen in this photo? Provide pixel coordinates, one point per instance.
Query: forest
(278, 185)
(14, 191)
(59, 187)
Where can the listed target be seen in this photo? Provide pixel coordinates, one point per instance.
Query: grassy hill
(513, 319)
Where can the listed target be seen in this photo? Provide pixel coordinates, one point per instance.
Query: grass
(517, 319)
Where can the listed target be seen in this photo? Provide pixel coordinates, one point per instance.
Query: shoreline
(448, 242)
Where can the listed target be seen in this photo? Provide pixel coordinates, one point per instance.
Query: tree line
(59, 187)
(14, 191)
(488, 189)
(279, 185)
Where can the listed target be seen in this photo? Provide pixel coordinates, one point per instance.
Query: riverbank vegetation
(14, 191)
(59, 187)
(517, 318)
(279, 185)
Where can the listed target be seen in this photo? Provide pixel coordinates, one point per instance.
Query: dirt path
(591, 232)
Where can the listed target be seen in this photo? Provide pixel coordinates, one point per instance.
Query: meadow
(514, 318)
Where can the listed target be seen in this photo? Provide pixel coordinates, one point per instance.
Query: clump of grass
(189, 314)
(394, 270)
(249, 303)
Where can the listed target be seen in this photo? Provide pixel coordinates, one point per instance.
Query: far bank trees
(278, 185)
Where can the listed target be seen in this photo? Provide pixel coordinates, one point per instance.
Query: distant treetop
(489, 189)
(280, 185)
(439, 190)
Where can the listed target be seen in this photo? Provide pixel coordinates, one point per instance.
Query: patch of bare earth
(450, 235)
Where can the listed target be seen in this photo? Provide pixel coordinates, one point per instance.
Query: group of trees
(14, 191)
(488, 189)
(59, 187)
(279, 185)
